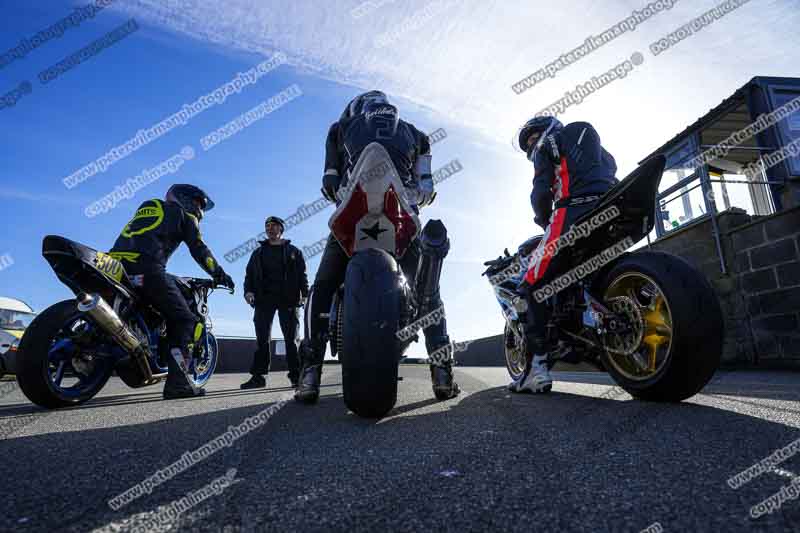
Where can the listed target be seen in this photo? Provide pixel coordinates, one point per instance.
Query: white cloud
(462, 62)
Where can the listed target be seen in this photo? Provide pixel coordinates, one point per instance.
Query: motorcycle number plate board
(109, 266)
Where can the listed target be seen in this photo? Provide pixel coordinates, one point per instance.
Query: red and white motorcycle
(376, 224)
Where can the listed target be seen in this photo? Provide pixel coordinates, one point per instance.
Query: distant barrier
(236, 354)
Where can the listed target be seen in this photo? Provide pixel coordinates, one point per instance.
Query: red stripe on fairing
(404, 227)
(556, 228)
(344, 227)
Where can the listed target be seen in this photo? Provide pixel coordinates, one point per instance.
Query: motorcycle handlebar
(211, 284)
(498, 263)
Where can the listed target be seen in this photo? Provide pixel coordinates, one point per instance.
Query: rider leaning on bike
(145, 245)
(370, 118)
(572, 172)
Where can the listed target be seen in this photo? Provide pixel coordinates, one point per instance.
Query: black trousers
(161, 291)
(289, 318)
(330, 276)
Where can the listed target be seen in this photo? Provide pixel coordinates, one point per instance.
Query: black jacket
(295, 278)
(570, 163)
(348, 137)
(155, 232)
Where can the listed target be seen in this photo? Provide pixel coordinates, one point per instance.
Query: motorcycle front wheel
(514, 348)
(206, 362)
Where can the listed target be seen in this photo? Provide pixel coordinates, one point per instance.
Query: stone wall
(760, 290)
(767, 265)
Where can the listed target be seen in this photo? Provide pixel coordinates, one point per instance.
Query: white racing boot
(536, 377)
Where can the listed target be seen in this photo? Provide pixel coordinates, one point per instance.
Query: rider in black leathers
(144, 247)
(572, 172)
(370, 118)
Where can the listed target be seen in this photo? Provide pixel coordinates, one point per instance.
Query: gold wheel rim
(653, 351)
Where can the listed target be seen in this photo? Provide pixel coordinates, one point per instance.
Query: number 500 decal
(109, 266)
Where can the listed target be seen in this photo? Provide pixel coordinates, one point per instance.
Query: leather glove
(425, 192)
(330, 184)
(223, 279)
(542, 223)
(250, 298)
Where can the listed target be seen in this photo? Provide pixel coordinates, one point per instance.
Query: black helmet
(192, 199)
(276, 220)
(543, 126)
(357, 104)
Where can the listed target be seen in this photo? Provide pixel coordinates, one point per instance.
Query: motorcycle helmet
(192, 199)
(543, 126)
(357, 104)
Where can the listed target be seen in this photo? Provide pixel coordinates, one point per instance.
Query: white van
(15, 317)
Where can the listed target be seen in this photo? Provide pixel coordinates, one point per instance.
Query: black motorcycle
(648, 318)
(71, 349)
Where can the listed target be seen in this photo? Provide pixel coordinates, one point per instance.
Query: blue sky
(450, 66)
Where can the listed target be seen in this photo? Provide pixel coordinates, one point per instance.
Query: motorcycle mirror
(506, 252)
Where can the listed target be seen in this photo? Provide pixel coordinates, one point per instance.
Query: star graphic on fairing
(373, 232)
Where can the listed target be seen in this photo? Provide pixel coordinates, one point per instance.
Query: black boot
(444, 387)
(256, 381)
(308, 388)
(178, 384)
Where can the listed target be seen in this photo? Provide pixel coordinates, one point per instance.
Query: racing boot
(178, 384)
(440, 355)
(310, 375)
(444, 387)
(535, 378)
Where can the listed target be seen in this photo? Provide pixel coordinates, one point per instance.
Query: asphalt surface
(586, 457)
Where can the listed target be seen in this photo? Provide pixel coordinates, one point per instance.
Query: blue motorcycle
(71, 349)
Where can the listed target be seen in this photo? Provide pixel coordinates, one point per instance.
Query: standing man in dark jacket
(276, 280)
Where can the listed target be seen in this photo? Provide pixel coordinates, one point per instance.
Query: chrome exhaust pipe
(98, 309)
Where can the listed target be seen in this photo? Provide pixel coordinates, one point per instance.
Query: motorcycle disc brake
(626, 343)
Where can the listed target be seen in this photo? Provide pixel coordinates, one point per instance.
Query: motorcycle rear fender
(84, 269)
(595, 287)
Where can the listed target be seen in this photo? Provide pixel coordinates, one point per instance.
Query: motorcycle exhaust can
(434, 248)
(98, 309)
